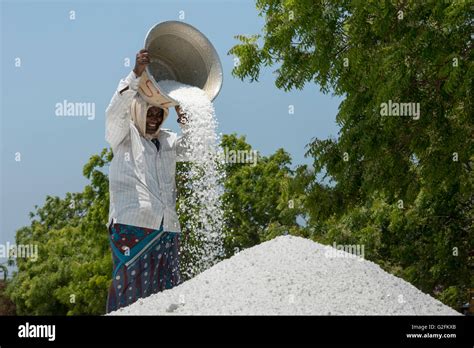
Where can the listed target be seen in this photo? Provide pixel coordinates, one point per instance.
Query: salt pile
(291, 276)
(204, 178)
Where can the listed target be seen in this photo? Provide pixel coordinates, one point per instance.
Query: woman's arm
(117, 114)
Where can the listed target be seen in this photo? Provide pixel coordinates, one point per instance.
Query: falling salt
(204, 178)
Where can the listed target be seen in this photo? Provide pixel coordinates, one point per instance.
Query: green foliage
(7, 307)
(371, 52)
(72, 273)
(256, 198)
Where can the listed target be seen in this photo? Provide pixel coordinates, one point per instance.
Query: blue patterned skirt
(145, 261)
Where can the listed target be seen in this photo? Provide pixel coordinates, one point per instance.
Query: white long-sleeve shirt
(141, 179)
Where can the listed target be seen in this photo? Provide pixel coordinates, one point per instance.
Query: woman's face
(154, 118)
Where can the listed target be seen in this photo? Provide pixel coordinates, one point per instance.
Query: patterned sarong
(145, 261)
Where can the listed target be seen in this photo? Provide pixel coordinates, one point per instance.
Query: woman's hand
(182, 117)
(142, 59)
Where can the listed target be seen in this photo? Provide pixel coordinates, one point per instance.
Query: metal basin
(179, 52)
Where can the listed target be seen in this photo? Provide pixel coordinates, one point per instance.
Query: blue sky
(82, 60)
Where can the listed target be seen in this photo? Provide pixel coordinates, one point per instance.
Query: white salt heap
(292, 276)
(203, 178)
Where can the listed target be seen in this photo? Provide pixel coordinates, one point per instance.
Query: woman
(143, 225)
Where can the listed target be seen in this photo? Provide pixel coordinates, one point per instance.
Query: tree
(414, 53)
(258, 200)
(72, 272)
